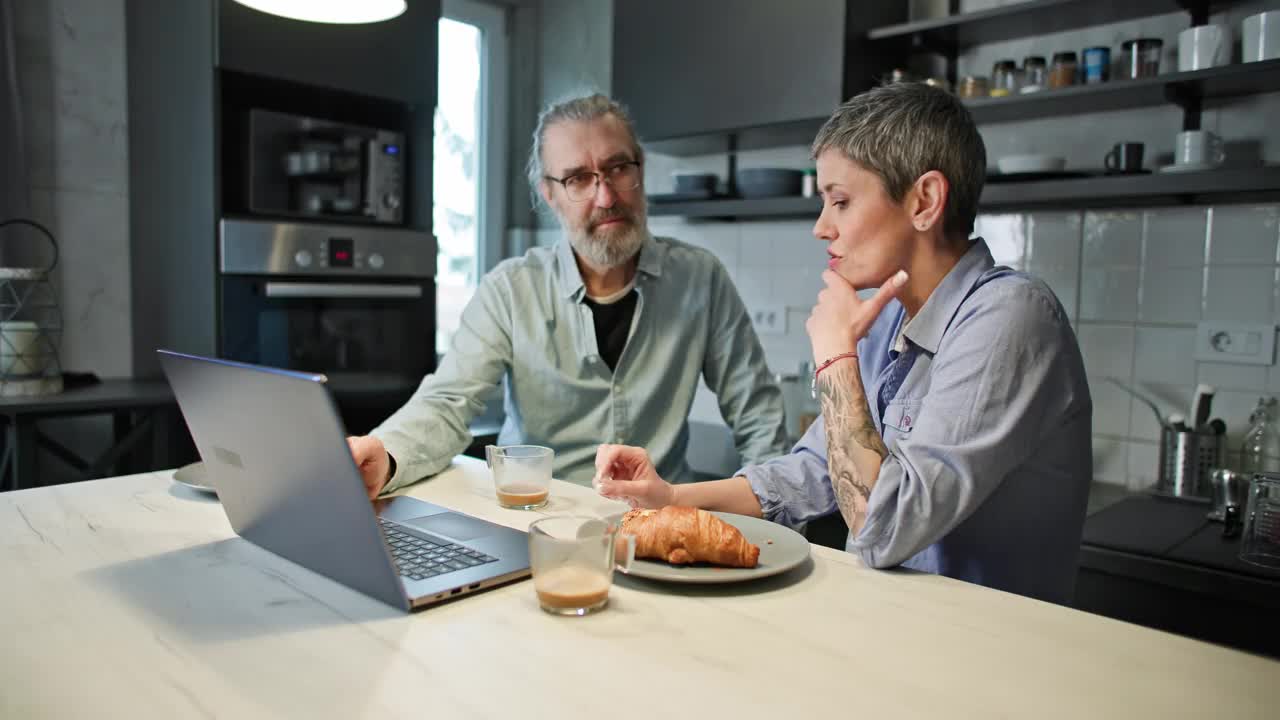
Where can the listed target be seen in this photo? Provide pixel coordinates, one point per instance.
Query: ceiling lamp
(347, 12)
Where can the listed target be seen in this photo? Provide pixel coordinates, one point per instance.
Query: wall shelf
(1180, 88)
(1024, 19)
(1227, 185)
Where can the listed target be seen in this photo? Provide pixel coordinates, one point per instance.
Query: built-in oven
(356, 303)
(318, 169)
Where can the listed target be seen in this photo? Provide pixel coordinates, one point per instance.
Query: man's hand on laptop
(372, 459)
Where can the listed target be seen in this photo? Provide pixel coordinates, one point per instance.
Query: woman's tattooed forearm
(850, 430)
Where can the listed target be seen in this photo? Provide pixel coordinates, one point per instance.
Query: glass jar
(1097, 65)
(1004, 78)
(973, 86)
(1035, 74)
(1062, 73)
(1141, 57)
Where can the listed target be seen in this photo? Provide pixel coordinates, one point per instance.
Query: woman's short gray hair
(583, 108)
(901, 131)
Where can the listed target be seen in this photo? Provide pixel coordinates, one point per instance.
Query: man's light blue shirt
(528, 329)
(989, 463)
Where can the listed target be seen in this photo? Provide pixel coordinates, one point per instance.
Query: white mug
(1198, 147)
(1204, 46)
(1261, 36)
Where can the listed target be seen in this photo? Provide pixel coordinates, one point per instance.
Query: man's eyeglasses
(582, 186)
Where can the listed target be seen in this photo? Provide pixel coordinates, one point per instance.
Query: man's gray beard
(606, 252)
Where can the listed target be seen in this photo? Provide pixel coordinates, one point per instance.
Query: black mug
(1125, 157)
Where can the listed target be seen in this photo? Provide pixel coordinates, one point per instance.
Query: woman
(955, 428)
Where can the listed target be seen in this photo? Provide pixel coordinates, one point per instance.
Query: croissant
(684, 535)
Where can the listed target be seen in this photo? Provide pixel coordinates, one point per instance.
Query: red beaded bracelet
(813, 384)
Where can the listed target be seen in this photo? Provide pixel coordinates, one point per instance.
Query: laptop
(276, 451)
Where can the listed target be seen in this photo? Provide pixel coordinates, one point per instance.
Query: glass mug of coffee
(521, 474)
(573, 559)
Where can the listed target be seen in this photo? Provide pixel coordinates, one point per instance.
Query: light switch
(1229, 343)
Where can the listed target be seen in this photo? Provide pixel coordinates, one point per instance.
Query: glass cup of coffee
(573, 559)
(521, 474)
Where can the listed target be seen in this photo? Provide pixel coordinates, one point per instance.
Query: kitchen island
(131, 597)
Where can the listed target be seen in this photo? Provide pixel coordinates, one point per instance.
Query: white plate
(781, 549)
(1011, 164)
(194, 477)
(1189, 167)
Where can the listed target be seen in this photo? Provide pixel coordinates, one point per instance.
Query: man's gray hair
(901, 131)
(584, 108)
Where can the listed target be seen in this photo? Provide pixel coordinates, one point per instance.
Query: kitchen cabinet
(705, 75)
(393, 59)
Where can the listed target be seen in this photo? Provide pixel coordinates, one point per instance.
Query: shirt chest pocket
(899, 418)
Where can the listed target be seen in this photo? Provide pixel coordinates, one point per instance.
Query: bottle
(1260, 451)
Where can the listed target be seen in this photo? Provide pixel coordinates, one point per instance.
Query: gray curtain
(15, 197)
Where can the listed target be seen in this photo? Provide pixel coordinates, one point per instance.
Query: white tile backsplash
(1109, 294)
(1171, 295)
(1144, 465)
(1164, 355)
(1107, 349)
(1224, 376)
(1174, 237)
(1240, 294)
(1110, 460)
(797, 287)
(1244, 234)
(1053, 240)
(1112, 238)
(1111, 408)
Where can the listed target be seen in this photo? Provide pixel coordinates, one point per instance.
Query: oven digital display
(341, 252)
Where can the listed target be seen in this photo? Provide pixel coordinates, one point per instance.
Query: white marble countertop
(131, 597)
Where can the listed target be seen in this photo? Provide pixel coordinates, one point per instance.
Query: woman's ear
(930, 200)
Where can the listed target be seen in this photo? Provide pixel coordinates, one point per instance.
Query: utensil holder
(1186, 460)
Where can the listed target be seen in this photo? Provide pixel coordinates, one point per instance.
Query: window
(469, 155)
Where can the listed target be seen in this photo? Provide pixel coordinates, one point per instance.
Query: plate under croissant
(781, 549)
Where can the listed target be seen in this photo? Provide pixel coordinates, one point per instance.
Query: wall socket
(1233, 343)
(768, 319)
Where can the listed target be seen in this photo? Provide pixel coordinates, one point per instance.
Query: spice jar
(973, 86)
(1004, 78)
(1141, 57)
(1063, 71)
(1034, 74)
(1097, 65)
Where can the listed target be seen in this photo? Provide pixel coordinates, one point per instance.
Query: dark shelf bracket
(1187, 98)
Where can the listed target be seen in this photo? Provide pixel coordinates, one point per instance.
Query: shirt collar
(926, 328)
(653, 255)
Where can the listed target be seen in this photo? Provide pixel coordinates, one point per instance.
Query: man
(602, 338)
(955, 428)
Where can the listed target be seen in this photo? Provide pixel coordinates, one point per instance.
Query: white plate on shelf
(1011, 164)
(1190, 167)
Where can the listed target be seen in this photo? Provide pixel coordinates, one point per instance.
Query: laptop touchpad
(452, 525)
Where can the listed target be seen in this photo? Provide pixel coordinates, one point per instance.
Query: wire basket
(30, 325)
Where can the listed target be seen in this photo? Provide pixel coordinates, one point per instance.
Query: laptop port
(456, 591)
(473, 586)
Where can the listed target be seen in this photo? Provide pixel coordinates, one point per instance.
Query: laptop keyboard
(418, 558)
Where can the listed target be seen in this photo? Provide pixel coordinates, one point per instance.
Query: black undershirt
(613, 324)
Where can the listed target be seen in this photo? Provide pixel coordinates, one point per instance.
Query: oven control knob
(391, 200)
(375, 261)
(302, 258)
